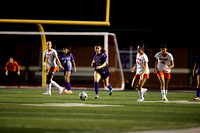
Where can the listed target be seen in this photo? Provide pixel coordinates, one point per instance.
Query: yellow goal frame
(64, 22)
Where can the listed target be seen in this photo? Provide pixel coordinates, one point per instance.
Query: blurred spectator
(12, 71)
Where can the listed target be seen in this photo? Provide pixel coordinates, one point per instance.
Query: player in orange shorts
(52, 57)
(142, 73)
(163, 65)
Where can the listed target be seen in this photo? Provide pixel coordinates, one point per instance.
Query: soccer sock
(141, 94)
(96, 86)
(166, 92)
(163, 93)
(66, 85)
(49, 88)
(198, 92)
(109, 86)
(55, 84)
(69, 86)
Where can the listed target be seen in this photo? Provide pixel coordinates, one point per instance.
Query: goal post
(82, 51)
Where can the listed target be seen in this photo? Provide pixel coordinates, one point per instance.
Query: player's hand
(98, 67)
(6, 73)
(18, 72)
(133, 69)
(74, 69)
(155, 71)
(62, 67)
(165, 70)
(44, 64)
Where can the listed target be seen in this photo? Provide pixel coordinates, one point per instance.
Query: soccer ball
(83, 95)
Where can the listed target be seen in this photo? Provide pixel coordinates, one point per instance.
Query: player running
(66, 59)
(142, 72)
(51, 55)
(101, 69)
(163, 65)
(197, 64)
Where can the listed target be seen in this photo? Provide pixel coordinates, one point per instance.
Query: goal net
(27, 50)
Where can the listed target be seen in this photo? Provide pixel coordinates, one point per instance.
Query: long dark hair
(68, 53)
(102, 49)
(145, 49)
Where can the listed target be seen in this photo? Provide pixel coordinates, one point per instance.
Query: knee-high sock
(96, 87)
(109, 86)
(68, 86)
(198, 92)
(55, 84)
(49, 88)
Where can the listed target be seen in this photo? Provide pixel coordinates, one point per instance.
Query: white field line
(182, 102)
(70, 105)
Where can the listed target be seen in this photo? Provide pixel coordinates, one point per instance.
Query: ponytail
(145, 49)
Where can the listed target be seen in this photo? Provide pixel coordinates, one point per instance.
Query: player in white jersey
(142, 72)
(163, 65)
(52, 58)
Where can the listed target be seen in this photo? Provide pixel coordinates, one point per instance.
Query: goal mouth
(81, 45)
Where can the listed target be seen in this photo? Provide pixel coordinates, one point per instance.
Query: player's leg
(140, 91)
(97, 77)
(17, 78)
(108, 85)
(134, 82)
(166, 86)
(198, 89)
(162, 86)
(67, 82)
(49, 78)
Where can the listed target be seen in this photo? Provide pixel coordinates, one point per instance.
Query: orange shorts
(146, 76)
(166, 75)
(52, 69)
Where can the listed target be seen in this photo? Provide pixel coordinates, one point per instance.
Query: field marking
(70, 105)
(178, 101)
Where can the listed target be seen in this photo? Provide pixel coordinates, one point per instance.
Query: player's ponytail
(145, 49)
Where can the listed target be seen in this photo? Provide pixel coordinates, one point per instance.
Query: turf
(131, 116)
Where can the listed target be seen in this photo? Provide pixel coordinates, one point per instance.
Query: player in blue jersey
(197, 65)
(68, 62)
(101, 69)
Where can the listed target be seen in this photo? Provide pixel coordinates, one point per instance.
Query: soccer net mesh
(26, 48)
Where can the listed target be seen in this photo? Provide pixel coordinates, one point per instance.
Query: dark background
(175, 23)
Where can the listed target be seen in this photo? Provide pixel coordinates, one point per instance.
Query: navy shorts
(104, 75)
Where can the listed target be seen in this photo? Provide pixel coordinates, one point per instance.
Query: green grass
(131, 116)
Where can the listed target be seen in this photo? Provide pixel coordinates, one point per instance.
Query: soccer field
(27, 110)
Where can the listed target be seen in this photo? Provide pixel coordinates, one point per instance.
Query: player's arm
(133, 69)
(6, 68)
(18, 68)
(74, 64)
(171, 65)
(59, 63)
(156, 64)
(92, 63)
(145, 68)
(44, 61)
(103, 65)
(194, 69)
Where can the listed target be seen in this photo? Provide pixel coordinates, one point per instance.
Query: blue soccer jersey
(66, 61)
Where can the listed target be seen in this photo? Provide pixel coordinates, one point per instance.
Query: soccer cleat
(46, 93)
(197, 99)
(110, 92)
(165, 99)
(96, 97)
(140, 100)
(61, 90)
(144, 91)
(69, 92)
(65, 91)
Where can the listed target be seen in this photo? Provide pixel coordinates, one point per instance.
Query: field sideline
(22, 110)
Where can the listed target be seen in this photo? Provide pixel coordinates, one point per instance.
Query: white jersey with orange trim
(163, 61)
(50, 56)
(140, 59)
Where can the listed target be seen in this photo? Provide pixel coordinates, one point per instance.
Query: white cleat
(144, 91)
(165, 99)
(140, 100)
(61, 90)
(46, 93)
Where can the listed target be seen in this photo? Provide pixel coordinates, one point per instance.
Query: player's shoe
(197, 99)
(165, 99)
(46, 93)
(140, 100)
(69, 92)
(61, 90)
(96, 97)
(144, 91)
(110, 92)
